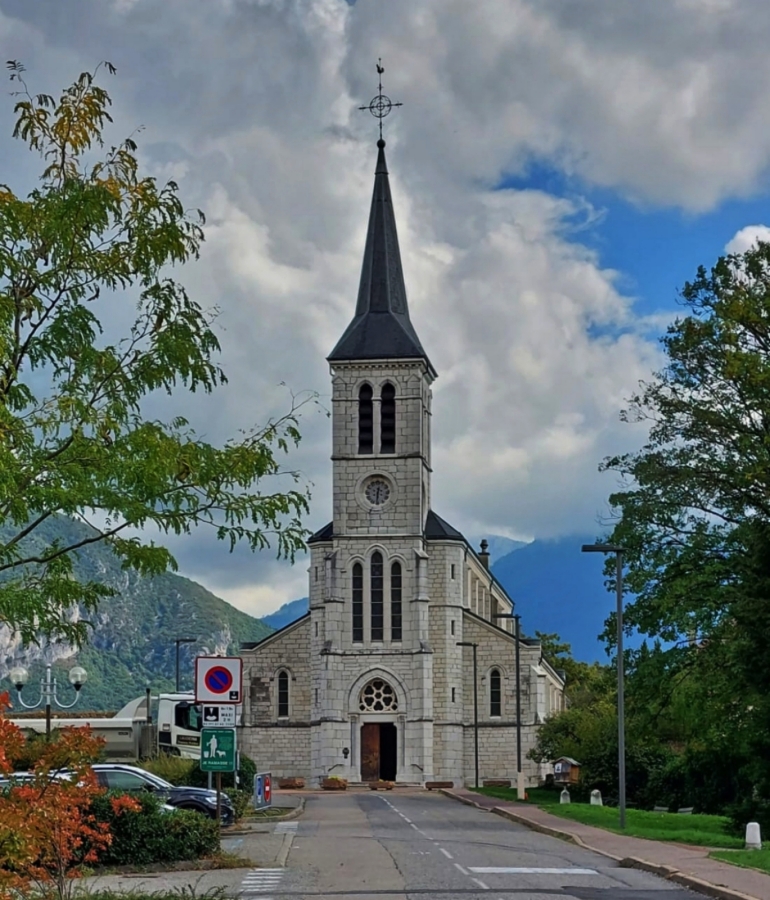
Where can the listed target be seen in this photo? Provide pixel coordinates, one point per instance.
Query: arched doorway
(378, 704)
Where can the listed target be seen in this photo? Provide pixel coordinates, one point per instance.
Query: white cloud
(251, 105)
(746, 238)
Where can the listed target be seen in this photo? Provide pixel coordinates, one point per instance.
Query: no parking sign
(218, 679)
(263, 790)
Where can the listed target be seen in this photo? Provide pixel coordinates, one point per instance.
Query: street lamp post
(19, 676)
(179, 641)
(618, 551)
(520, 786)
(475, 706)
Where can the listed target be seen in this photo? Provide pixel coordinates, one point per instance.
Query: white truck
(174, 728)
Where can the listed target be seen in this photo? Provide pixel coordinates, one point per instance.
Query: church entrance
(379, 751)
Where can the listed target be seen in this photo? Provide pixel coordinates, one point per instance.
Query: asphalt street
(394, 844)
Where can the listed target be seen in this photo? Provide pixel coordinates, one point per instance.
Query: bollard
(596, 798)
(753, 836)
(564, 797)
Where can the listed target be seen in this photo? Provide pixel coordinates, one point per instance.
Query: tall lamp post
(618, 551)
(475, 706)
(520, 786)
(19, 676)
(179, 641)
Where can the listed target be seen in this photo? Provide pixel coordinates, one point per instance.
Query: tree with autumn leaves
(48, 831)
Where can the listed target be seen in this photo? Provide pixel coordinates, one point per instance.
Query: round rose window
(378, 696)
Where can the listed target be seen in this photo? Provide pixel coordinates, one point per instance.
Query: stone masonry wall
(281, 746)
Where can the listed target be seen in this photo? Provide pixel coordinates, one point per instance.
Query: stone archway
(378, 705)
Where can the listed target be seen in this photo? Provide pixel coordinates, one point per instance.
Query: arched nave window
(283, 695)
(358, 602)
(495, 694)
(388, 419)
(377, 599)
(365, 419)
(396, 629)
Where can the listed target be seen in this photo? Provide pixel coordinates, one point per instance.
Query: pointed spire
(381, 328)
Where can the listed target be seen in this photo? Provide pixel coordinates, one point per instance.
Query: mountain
(132, 642)
(556, 588)
(287, 614)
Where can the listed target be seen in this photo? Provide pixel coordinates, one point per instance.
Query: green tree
(694, 514)
(74, 439)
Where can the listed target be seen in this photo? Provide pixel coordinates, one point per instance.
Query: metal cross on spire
(380, 105)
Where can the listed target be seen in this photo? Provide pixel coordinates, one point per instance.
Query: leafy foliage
(47, 829)
(693, 513)
(74, 438)
(143, 834)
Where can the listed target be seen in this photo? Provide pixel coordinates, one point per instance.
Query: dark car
(118, 777)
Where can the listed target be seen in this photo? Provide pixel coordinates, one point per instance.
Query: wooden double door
(379, 751)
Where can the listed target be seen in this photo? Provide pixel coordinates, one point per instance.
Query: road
(421, 845)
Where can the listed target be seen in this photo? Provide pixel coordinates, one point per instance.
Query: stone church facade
(374, 682)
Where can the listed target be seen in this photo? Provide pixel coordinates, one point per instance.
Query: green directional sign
(217, 749)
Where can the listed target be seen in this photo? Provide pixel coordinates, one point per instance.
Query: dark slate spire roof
(381, 328)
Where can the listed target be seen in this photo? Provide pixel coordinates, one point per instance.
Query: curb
(283, 853)
(670, 873)
(292, 814)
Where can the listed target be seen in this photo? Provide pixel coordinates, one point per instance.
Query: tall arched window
(358, 602)
(377, 598)
(365, 420)
(495, 694)
(395, 602)
(388, 419)
(283, 695)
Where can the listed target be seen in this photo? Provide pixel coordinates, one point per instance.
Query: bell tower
(381, 379)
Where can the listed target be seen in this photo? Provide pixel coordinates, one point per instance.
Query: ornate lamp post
(19, 676)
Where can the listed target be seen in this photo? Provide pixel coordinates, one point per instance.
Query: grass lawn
(703, 831)
(749, 859)
(269, 812)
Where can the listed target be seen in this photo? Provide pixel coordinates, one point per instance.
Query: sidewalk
(681, 863)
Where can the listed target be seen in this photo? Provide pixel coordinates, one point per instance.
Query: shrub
(246, 775)
(174, 769)
(749, 811)
(151, 836)
(241, 801)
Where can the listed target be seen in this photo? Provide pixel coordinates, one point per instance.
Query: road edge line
(670, 873)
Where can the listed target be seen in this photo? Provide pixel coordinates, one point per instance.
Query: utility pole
(521, 788)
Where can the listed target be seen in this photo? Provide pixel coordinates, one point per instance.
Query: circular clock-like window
(377, 491)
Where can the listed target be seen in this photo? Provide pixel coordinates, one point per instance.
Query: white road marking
(261, 881)
(521, 870)
(461, 869)
(414, 826)
(446, 853)
(484, 887)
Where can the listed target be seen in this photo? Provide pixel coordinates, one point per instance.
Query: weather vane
(380, 105)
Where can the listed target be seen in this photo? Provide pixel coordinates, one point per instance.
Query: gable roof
(381, 327)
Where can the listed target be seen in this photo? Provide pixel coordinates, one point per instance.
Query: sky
(559, 170)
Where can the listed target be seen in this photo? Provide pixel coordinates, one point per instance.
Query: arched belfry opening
(379, 736)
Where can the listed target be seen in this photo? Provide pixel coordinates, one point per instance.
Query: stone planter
(334, 784)
(381, 786)
(291, 784)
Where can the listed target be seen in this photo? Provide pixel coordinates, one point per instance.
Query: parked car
(18, 778)
(119, 777)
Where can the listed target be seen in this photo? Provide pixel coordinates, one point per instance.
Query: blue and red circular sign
(218, 680)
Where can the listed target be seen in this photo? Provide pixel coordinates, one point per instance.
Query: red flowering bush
(47, 830)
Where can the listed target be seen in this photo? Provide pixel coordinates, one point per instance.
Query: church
(376, 681)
